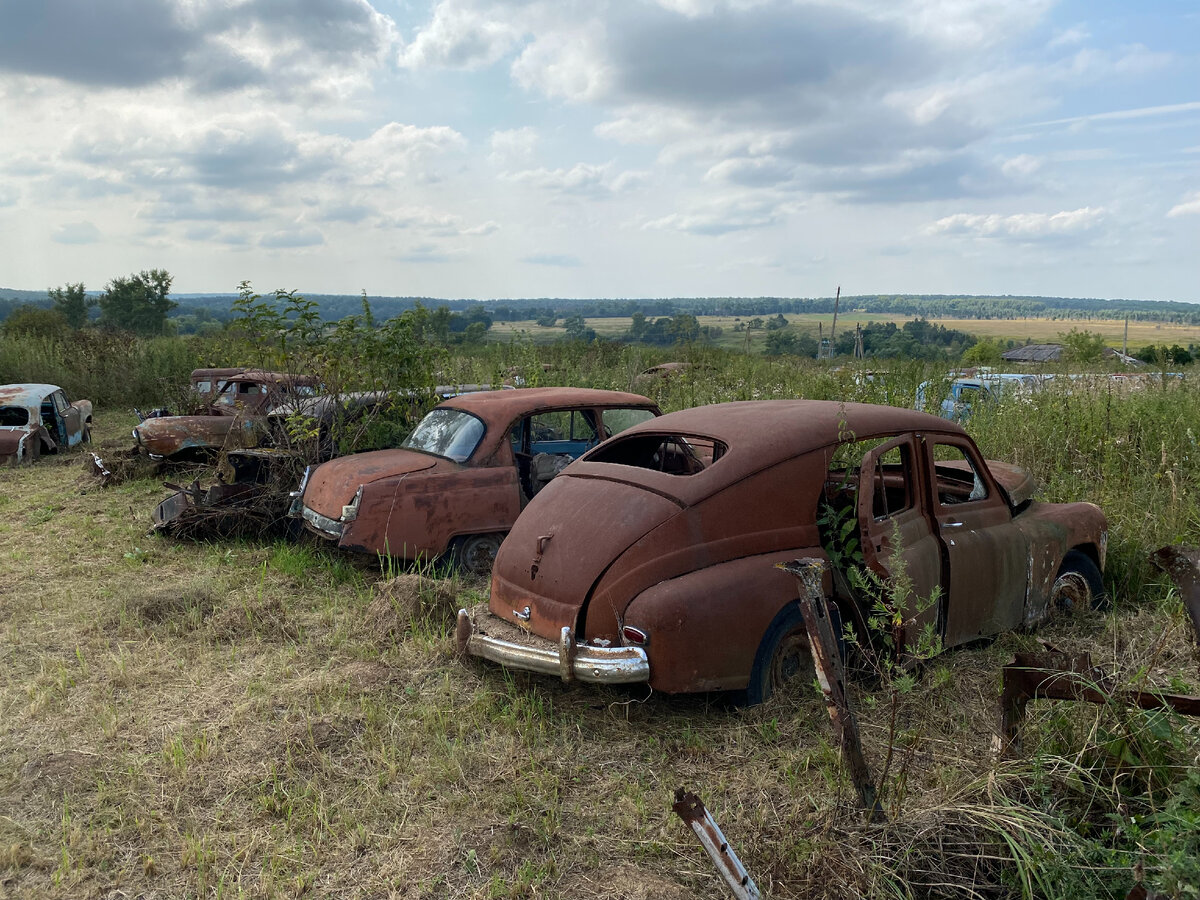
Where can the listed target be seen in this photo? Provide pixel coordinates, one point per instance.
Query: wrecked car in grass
(457, 483)
(38, 419)
(234, 416)
(653, 558)
(254, 484)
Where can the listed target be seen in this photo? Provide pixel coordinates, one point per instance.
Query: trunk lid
(567, 537)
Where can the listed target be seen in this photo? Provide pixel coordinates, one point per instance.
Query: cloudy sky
(590, 148)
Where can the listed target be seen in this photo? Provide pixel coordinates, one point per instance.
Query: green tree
(35, 321)
(138, 303)
(637, 325)
(1082, 346)
(985, 352)
(72, 302)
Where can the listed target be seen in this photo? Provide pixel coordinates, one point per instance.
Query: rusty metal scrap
(1183, 565)
(691, 809)
(1070, 676)
(827, 659)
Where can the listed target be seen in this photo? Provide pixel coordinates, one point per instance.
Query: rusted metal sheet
(1183, 565)
(463, 474)
(1070, 676)
(825, 647)
(690, 808)
(38, 419)
(626, 543)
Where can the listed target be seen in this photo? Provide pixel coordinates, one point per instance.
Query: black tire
(475, 553)
(1078, 585)
(783, 656)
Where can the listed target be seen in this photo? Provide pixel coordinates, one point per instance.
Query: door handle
(952, 524)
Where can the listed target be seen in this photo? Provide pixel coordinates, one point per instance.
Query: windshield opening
(451, 433)
(670, 453)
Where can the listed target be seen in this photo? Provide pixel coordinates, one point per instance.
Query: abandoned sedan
(235, 417)
(653, 558)
(38, 419)
(457, 483)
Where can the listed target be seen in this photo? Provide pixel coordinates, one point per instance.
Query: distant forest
(196, 309)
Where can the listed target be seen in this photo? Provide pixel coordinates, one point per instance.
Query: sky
(586, 148)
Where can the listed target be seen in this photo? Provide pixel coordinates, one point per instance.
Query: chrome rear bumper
(481, 633)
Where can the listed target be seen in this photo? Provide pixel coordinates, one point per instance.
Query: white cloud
(1189, 206)
(1020, 226)
(720, 217)
(512, 146)
(76, 233)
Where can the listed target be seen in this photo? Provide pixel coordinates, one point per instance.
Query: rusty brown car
(457, 483)
(653, 558)
(235, 416)
(38, 419)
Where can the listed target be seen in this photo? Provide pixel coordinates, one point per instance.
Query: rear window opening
(14, 416)
(670, 453)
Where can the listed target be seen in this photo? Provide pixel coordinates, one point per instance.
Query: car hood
(333, 484)
(564, 541)
(1018, 483)
(170, 434)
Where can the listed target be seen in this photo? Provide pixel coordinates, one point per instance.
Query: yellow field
(1035, 330)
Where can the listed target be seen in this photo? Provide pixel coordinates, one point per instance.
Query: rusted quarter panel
(642, 544)
(411, 503)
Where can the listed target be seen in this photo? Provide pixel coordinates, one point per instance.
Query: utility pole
(832, 328)
(1125, 343)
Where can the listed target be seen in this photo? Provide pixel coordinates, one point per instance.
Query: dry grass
(259, 720)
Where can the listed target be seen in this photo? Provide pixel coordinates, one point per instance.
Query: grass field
(266, 719)
(1019, 330)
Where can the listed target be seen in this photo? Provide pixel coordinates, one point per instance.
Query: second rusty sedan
(654, 557)
(457, 483)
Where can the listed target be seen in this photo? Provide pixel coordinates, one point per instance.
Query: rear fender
(704, 627)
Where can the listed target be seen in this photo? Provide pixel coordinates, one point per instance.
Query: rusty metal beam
(1183, 565)
(1070, 676)
(827, 659)
(691, 809)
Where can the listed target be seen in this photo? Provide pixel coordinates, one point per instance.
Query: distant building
(1052, 353)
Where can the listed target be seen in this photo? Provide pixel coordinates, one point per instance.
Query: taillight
(635, 635)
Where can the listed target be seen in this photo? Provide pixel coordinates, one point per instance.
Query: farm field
(264, 718)
(1035, 330)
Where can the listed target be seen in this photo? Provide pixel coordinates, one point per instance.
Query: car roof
(21, 394)
(505, 405)
(760, 434)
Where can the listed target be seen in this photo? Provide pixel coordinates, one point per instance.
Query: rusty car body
(653, 557)
(458, 482)
(39, 419)
(235, 415)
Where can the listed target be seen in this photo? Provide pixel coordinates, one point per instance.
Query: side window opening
(956, 476)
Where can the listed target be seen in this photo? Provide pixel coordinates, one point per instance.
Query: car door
(986, 554)
(893, 519)
(72, 422)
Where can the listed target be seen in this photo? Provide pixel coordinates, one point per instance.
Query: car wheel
(1078, 585)
(475, 553)
(782, 658)
(86, 433)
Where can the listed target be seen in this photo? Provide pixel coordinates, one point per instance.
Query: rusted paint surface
(1183, 565)
(236, 416)
(411, 504)
(1070, 676)
(689, 558)
(38, 419)
(824, 645)
(690, 808)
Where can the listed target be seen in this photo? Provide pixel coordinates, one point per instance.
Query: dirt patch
(626, 882)
(58, 770)
(265, 617)
(365, 675)
(409, 600)
(185, 608)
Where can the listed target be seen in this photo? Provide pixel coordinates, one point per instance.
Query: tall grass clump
(109, 368)
(1133, 451)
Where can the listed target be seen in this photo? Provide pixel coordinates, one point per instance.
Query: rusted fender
(170, 435)
(1183, 565)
